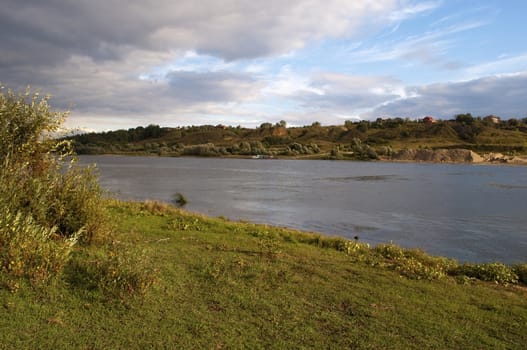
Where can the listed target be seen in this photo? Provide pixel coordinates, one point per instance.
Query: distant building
(492, 118)
(428, 120)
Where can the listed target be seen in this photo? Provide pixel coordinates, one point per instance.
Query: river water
(473, 213)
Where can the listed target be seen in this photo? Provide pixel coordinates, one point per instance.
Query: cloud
(122, 63)
(231, 29)
(498, 95)
(112, 59)
(429, 48)
(344, 93)
(503, 65)
(412, 10)
(192, 87)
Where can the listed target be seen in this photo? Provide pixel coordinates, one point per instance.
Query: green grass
(225, 285)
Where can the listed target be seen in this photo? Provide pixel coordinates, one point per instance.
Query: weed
(117, 271)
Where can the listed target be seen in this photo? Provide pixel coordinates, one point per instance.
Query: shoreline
(505, 161)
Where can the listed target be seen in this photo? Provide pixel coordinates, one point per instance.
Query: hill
(358, 140)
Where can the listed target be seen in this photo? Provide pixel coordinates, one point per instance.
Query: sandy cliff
(455, 156)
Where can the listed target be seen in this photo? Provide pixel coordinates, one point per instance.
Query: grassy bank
(224, 285)
(362, 140)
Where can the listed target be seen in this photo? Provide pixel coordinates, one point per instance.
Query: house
(428, 120)
(492, 119)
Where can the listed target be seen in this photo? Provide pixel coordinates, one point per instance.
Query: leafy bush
(521, 271)
(492, 272)
(47, 203)
(414, 263)
(29, 250)
(357, 249)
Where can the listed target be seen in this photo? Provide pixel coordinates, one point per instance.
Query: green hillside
(358, 140)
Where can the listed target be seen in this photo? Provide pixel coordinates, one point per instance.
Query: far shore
(485, 159)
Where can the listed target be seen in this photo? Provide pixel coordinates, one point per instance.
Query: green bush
(521, 271)
(47, 203)
(30, 251)
(414, 263)
(492, 272)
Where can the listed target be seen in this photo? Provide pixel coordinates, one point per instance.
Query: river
(475, 213)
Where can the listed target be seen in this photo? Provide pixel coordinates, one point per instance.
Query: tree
(466, 119)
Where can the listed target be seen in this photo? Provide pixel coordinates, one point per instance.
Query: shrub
(521, 271)
(29, 250)
(47, 204)
(414, 263)
(492, 272)
(357, 249)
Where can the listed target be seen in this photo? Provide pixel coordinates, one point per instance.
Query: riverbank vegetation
(222, 284)
(363, 140)
(51, 211)
(156, 276)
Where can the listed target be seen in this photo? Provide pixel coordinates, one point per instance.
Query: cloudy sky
(123, 63)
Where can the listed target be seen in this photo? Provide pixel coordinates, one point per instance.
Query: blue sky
(120, 64)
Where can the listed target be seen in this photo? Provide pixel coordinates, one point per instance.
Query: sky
(118, 64)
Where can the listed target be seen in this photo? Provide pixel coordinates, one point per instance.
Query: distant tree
(266, 126)
(513, 122)
(379, 123)
(315, 124)
(152, 131)
(282, 123)
(466, 119)
(363, 126)
(348, 123)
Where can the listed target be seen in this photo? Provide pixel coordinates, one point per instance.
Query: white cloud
(289, 83)
(429, 48)
(503, 65)
(415, 9)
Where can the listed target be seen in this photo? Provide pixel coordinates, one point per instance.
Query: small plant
(117, 271)
(269, 246)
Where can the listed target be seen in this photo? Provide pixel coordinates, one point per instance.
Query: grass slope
(224, 285)
(396, 134)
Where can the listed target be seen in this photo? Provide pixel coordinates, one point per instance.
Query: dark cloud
(195, 87)
(106, 29)
(500, 95)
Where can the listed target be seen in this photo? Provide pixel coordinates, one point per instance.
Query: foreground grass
(223, 285)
